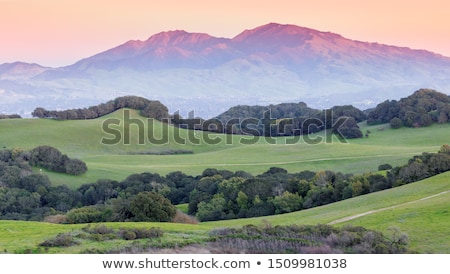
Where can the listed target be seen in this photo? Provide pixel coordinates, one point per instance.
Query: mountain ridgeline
(421, 109)
(261, 66)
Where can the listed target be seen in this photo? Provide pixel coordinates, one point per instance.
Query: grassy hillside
(82, 139)
(419, 209)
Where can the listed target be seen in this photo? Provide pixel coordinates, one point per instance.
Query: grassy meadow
(83, 139)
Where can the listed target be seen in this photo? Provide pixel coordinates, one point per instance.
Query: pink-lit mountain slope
(20, 70)
(298, 48)
(164, 50)
(269, 64)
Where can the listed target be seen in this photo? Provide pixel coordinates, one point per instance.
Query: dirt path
(348, 218)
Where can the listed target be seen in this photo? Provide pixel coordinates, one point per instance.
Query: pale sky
(61, 32)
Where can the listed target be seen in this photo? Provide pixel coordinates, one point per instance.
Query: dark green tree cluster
(288, 119)
(142, 207)
(52, 159)
(421, 166)
(147, 108)
(347, 127)
(421, 109)
(349, 111)
(10, 116)
(278, 111)
(25, 195)
(274, 192)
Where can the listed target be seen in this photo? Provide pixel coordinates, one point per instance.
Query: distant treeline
(289, 110)
(213, 195)
(147, 108)
(421, 109)
(46, 157)
(287, 119)
(52, 159)
(10, 116)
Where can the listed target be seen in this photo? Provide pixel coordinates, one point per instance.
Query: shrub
(88, 214)
(140, 233)
(307, 239)
(61, 240)
(128, 235)
(151, 207)
(56, 219)
(384, 167)
(184, 218)
(99, 229)
(396, 123)
(75, 167)
(103, 233)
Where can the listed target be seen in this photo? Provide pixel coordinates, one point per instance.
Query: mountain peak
(20, 70)
(178, 37)
(20, 65)
(273, 30)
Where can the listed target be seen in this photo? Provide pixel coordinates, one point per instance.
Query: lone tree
(151, 207)
(396, 123)
(445, 149)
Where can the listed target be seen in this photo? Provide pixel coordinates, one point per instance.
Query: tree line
(52, 159)
(10, 116)
(421, 109)
(147, 108)
(212, 195)
(46, 157)
(287, 119)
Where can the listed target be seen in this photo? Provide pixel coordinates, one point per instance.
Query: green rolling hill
(83, 139)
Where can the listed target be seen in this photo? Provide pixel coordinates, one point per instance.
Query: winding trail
(348, 218)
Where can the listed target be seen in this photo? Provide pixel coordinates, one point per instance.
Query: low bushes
(101, 233)
(308, 240)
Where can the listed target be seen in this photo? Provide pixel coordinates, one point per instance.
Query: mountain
(166, 50)
(270, 64)
(20, 70)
